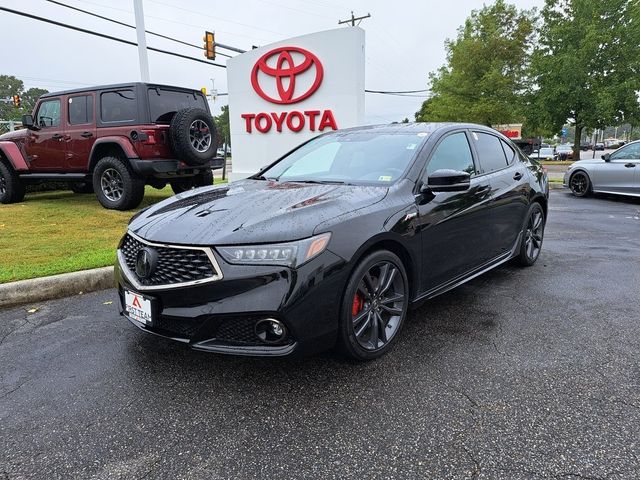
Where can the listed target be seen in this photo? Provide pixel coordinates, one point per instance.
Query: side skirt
(476, 272)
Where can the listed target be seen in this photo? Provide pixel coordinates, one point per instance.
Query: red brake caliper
(356, 308)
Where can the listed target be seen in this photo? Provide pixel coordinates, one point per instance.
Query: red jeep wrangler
(112, 140)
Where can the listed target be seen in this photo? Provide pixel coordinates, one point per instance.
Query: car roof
(419, 127)
(112, 86)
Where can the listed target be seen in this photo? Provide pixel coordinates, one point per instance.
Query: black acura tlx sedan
(332, 243)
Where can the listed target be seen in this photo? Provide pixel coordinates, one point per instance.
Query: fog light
(270, 330)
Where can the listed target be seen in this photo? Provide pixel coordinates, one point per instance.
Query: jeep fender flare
(108, 144)
(12, 153)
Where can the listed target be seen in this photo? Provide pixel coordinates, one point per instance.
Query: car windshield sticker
(384, 178)
(423, 134)
(411, 146)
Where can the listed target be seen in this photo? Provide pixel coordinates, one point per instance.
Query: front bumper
(220, 316)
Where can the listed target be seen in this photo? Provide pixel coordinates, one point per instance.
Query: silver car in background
(617, 172)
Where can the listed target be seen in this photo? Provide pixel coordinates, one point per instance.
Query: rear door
(509, 189)
(622, 173)
(46, 146)
(81, 130)
(455, 226)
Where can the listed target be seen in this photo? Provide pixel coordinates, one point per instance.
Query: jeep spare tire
(193, 136)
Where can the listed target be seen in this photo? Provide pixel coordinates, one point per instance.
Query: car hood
(250, 211)
(13, 136)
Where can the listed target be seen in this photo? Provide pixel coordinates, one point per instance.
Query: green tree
(10, 86)
(485, 77)
(586, 68)
(222, 126)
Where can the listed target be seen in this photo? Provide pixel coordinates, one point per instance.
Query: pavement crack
(477, 468)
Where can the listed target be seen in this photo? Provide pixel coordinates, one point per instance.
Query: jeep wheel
(193, 136)
(81, 187)
(12, 190)
(116, 185)
(202, 179)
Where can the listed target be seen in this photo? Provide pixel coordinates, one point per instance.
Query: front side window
(349, 157)
(118, 106)
(49, 113)
(452, 153)
(490, 152)
(80, 110)
(628, 152)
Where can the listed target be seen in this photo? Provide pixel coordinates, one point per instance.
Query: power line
(118, 22)
(393, 92)
(109, 37)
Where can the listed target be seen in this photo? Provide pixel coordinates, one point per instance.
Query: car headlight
(289, 254)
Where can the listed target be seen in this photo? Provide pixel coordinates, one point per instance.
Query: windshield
(546, 151)
(163, 103)
(349, 157)
(564, 147)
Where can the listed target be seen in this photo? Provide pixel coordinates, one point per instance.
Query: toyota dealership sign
(283, 94)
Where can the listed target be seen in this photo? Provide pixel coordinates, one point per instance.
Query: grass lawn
(59, 232)
(556, 162)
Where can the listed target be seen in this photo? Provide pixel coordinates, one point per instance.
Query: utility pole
(353, 19)
(142, 41)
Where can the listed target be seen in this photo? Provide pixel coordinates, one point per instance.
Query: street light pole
(142, 41)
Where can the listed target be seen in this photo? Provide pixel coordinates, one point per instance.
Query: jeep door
(46, 146)
(81, 130)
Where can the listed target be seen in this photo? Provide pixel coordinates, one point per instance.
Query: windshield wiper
(262, 177)
(321, 182)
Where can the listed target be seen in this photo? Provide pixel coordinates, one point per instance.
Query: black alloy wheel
(12, 190)
(532, 236)
(375, 306)
(116, 184)
(580, 184)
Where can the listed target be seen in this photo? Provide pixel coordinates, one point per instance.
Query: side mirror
(606, 157)
(27, 121)
(448, 181)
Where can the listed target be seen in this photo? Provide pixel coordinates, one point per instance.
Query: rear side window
(509, 152)
(452, 153)
(490, 152)
(118, 106)
(49, 113)
(163, 103)
(80, 110)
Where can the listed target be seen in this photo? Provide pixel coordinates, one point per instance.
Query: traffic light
(209, 45)
(16, 101)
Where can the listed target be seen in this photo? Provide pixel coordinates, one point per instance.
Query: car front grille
(181, 327)
(176, 265)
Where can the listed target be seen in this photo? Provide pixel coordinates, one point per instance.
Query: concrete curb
(55, 286)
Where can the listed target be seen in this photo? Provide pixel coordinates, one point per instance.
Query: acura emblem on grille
(146, 262)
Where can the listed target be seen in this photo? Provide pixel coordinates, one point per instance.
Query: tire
(364, 309)
(12, 190)
(202, 179)
(116, 185)
(580, 184)
(532, 236)
(82, 187)
(193, 136)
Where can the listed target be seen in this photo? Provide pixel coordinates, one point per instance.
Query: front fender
(13, 154)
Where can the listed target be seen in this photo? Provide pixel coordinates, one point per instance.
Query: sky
(404, 41)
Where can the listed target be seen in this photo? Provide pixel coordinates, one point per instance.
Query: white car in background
(617, 173)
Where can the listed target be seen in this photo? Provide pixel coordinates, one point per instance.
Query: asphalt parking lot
(519, 374)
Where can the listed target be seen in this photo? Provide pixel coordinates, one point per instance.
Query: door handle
(629, 165)
(56, 136)
(517, 176)
(86, 134)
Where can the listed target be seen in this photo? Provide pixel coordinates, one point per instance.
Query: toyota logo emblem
(280, 64)
(146, 262)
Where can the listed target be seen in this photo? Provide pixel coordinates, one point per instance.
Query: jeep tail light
(150, 137)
